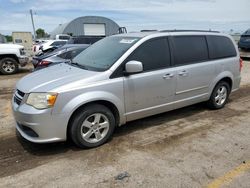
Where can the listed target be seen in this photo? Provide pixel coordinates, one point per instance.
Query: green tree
(40, 33)
(8, 38)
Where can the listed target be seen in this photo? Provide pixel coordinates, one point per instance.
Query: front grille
(22, 52)
(20, 93)
(18, 97)
(17, 100)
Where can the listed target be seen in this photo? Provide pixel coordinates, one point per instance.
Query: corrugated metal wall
(76, 26)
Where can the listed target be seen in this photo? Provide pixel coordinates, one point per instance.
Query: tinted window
(64, 37)
(220, 47)
(18, 41)
(71, 54)
(84, 40)
(58, 43)
(190, 49)
(153, 54)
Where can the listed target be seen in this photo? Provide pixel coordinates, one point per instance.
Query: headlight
(41, 100)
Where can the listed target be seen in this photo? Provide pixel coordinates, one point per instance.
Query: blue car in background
(244, 42)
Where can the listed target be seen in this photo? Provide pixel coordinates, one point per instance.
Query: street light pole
(31, 15)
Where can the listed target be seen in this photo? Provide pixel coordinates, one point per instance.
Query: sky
(135, 15)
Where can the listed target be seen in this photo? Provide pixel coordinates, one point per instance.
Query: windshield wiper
(78, 65)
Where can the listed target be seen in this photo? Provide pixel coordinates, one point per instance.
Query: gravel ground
(189, 147)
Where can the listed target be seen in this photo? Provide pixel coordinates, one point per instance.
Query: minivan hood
(50, 78)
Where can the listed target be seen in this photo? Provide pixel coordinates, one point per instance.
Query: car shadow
(46, 149)
(159, 119)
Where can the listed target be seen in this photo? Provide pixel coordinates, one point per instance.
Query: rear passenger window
(220, 47)
(153, 54)
(190, 49)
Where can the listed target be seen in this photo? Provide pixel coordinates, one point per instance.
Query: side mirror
(133, 67)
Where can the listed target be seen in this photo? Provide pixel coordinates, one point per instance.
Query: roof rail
(148, 30)
(179, 30)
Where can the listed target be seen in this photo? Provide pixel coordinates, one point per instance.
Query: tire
(8, 66)
(92, 126)
(219, 96)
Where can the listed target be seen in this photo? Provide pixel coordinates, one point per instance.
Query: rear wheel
(8, 66)
(219, 96)
(92, 126)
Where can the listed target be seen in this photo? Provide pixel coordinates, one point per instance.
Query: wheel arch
(225, 76)
(112, 107)
(227, 80)
(2, 56)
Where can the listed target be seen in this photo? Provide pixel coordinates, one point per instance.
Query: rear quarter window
(220, 47)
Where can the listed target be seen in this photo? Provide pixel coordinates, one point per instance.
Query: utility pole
(31, 15)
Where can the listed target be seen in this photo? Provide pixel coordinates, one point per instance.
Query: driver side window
(154, 54)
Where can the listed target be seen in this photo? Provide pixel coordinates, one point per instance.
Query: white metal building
(87, 26)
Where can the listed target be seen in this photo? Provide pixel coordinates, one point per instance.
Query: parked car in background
(39, 57)
(244, 42)
(37, 44)
(62, 37)
(48, 46)
(84, 39)
(11, 57)
(123, 78)
(64, 55)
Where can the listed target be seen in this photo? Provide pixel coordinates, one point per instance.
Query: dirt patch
(6, 90)
(6, 96)
(18, 154)
(242, 92)
(148, 134)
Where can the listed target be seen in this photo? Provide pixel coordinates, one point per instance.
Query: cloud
(134, 14)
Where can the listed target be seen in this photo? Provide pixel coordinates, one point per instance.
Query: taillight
(44, 63)
(241, 64)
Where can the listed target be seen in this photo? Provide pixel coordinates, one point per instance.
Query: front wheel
(219, 96)
(8, 66)
(92, 126)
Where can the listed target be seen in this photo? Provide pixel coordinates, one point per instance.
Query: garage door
(94, 29)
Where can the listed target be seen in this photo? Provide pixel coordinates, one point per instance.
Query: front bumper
(23, 60)
(39, 126)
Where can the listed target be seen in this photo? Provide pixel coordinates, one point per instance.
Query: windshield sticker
(127, 41)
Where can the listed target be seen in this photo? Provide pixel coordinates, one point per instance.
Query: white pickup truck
(11, 57)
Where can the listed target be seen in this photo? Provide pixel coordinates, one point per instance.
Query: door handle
(183, 73)
(168, 76)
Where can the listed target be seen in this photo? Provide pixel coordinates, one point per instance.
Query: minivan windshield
(104, 53)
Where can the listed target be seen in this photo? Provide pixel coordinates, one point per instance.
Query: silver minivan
(123, 78)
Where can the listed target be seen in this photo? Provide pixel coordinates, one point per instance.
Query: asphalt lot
(189, 147)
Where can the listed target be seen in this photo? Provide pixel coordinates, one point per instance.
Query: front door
(151, 91)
